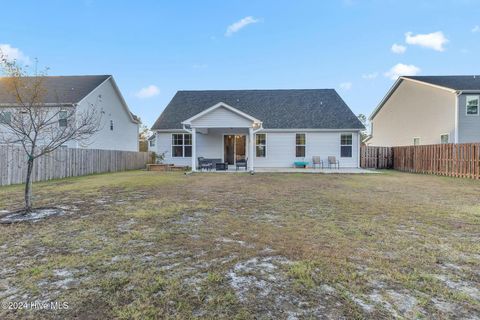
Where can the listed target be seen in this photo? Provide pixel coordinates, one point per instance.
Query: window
(111, 125)
(152, 142)
(261, 145)
(181, 145)
(300, 142)
(62, 118)
(416, 141)
(6, 117)
(346, 145)
(444, 138)
(472, 105)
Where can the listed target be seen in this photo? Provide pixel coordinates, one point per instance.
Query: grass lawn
(139, 245)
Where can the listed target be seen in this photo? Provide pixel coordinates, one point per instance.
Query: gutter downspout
(457, 97)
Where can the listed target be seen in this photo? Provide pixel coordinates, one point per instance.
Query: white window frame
(60, 118)
(183, 145)
(3, 115)
(419, 141)
(300, 145)
(264, 145)
(346, 145)
(448, 138)
(466, 105)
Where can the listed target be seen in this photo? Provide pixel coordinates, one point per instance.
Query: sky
(155, 48)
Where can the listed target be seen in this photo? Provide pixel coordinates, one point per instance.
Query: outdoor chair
(332, 161)
(242, 163)
(204, 164)
(316, 161)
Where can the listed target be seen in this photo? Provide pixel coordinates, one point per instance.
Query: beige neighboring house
(424, 110)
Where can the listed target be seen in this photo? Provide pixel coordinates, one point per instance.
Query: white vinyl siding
(221, 117)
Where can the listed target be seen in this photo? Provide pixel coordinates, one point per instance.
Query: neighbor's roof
(451, 82)
(59, 89)
(277, 109)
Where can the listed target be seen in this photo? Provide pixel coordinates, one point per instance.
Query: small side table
(222, 166)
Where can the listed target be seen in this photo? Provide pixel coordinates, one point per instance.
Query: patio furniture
(332, 161)
(300, 164)
(316, 161)
(204, 163)
(221, 166)
(242, 163)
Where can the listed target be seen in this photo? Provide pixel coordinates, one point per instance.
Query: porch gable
(222, 115)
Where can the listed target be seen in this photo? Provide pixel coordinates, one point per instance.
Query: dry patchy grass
(147, 245)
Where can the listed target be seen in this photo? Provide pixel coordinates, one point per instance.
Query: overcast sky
(154, 48)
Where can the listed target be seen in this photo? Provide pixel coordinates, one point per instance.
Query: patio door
(234, 148)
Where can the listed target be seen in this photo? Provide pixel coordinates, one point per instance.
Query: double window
(5, 117)
(181, 145)
(62, 118)
(472, 105)
(300, 145)
(261, 145)
(346, 140)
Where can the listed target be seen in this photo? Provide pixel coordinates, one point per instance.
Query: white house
(268, 128)
(119, 127)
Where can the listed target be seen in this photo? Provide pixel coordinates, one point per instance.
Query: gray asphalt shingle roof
(452, 82)
(59, 89)
(278, 109)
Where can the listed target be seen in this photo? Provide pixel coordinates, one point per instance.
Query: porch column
(251, 148)
(194, 149)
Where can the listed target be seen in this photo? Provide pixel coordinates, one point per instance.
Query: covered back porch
(223, 135)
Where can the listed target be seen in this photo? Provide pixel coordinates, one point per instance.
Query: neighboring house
(270, 128)
(119, 127)
(428, 110)
(151, 143)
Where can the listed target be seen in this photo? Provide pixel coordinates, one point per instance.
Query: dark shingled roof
(452, 82)
(60, 89)
(278, 109)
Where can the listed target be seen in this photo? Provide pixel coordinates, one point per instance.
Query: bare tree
(39, 127)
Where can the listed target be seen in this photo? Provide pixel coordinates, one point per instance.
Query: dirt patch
(33, 216)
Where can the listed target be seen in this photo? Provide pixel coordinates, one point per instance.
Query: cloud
(476, 29)
(12, 53)
(346, 86)
(398, 48)
(370, 76)
(200, 66)
(240, 24)
(148, 92)
(434, 40)
(401, 69)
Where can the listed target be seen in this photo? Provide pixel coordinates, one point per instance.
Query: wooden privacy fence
(454, 160)
(66, 162)
(376, 157)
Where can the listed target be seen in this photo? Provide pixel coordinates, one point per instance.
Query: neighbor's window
(416, 141)
(346, 145)
(181, 145)
(62, 118)
(261, 145)
(472, 105)
(111, 125)
(6, 117)
(444, 138)
(152, 142)
(300, 142)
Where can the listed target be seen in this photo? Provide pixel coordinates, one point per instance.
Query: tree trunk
(28, 187)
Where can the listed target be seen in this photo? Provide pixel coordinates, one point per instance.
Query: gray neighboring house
(424, 110)
(268, 128)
